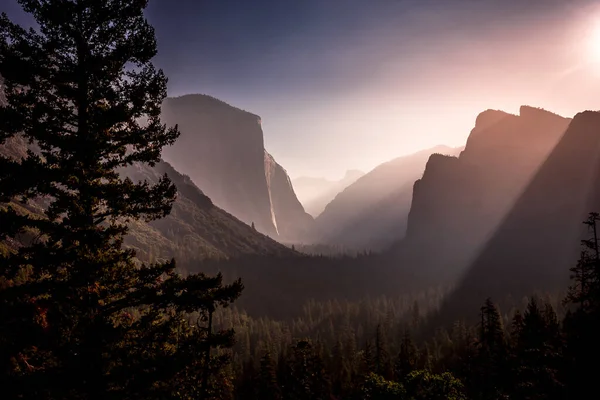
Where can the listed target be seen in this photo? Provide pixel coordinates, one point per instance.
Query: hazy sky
(348, 84)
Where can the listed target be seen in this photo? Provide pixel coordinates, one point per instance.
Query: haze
(399, 199)
(344, 84)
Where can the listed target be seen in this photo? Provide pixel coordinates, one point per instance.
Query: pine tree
(538, 354)
(267, 385)
(493, 355)
(382, 356)
(367, 360)
(407, 358)
(308, 379)
(582, 327)
(81, 319)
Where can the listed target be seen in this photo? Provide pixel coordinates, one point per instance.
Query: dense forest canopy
(119, 277)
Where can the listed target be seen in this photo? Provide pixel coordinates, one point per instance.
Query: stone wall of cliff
(222, 149)
(539, 238)
(460, 201)
(292, 222)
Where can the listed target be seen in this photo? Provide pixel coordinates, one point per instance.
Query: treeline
(81, 317)
(373, 350)
(490, 361)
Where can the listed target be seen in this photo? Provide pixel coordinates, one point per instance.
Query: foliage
(376, 387)
(80, 317)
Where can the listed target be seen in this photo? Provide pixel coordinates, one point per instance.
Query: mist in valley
(299, 200)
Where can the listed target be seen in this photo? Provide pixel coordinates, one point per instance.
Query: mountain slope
(372, 212)
(316, 193)
(195, 229)
(539, 240)
(460, 201)
(222, 149)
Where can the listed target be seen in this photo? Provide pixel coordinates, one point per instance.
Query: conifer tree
(582, 327)
(308, 380)
(538, 354)
(267, 386)
(407, 358)
(81, 318)
(381, 356)
(493, 354)
(368, 359)
(340, 369)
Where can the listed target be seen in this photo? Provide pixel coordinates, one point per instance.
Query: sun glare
(595, 42)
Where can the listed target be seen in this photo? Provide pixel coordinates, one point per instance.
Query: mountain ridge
(460, 201)
(371, 213)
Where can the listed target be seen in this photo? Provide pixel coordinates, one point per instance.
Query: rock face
(222, 149)
(372, 212)
(460, 201)
(292, 222)
(316, 193)
(539, 239)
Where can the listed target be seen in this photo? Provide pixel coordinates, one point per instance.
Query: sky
(349, 84)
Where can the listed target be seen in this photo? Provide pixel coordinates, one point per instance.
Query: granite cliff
(222, 149)
(460, 201)
(539, 239)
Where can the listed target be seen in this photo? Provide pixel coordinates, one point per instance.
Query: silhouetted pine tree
(341, 374)
(267, 385)
(493, 356)
(307, 377)
(367, 360)
(407, 358)
(538, 354)
(582, 326)
(81, 318)
(382, 356)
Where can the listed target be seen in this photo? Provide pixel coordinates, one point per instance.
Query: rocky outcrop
(539, 239)
(292, 222)
(372, 212)
(460, 201)
(222, 149)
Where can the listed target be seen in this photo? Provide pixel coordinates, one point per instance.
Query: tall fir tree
(267, 385)
(81, 319)
(307, 377)
(582, 325)
(382, 360)
(493, 354)
(407, 358)
(537, 354)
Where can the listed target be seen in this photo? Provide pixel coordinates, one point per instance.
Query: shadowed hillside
(196, 228)
(538, 241)
(459, 202)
